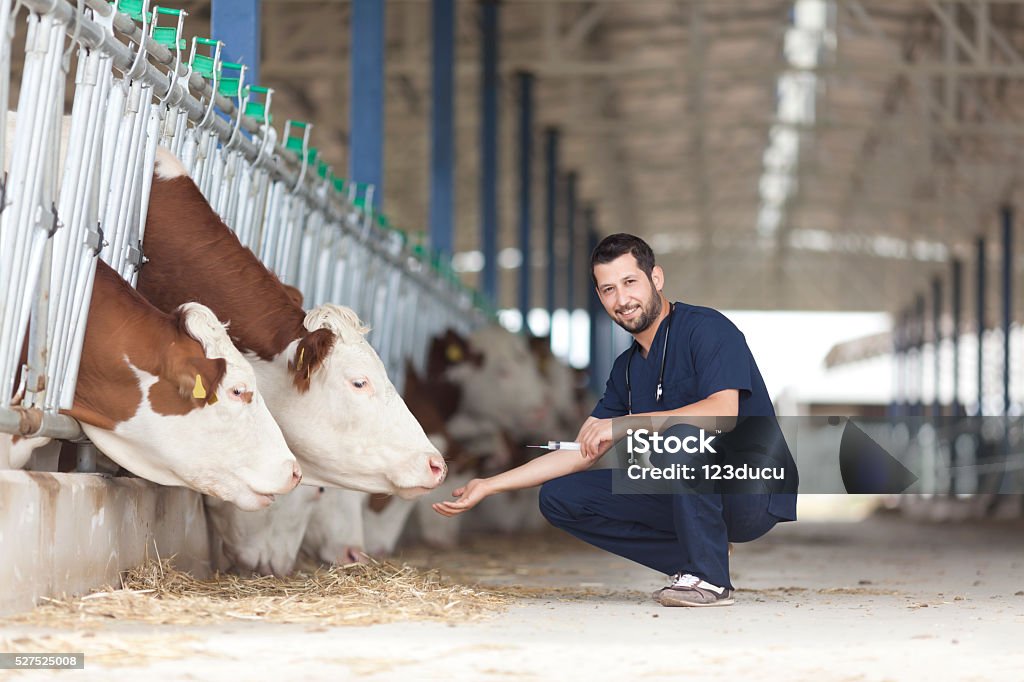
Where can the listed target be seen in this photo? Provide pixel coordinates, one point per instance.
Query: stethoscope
(661, 374)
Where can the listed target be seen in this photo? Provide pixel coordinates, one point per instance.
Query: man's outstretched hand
(469, 496)
(595, 437)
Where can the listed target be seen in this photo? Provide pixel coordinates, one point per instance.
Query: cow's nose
(296, 473)
(438, 468)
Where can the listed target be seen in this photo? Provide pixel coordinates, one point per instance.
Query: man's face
(631, 298)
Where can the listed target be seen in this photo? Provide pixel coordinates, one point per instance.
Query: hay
(356, 594)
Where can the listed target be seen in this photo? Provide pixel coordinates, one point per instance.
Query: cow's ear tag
(454, 353)
(302, 355)
(212, 399)
(198, 392)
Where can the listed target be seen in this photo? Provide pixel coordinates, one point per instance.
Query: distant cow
(498, 378)
(324, 384)
(264, 542)
(335, 531)
(169, 398)
(385, 518)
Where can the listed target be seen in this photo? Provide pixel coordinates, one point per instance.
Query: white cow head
(228, 446)
(265, 542)
(506, 388)
(342, 415)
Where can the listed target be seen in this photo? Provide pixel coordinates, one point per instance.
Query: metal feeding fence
(77, 188)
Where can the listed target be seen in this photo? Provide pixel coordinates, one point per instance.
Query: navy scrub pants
(685, 533)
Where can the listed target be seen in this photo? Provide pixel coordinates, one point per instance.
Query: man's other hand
(595, 437)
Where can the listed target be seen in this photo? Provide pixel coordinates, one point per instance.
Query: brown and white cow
(433, 402)
(169, 398)
(500, 384)
(325, 385)
(264, 542)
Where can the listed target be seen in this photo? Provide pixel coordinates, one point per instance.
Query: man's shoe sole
(725, 601)
(720, 602)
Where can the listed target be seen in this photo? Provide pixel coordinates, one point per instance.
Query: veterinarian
(685, 361)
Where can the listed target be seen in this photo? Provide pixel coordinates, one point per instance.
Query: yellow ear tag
(454, 353)
(212, 399)
(302, 355)
(198, 392)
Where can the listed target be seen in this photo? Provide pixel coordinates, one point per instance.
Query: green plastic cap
(228, 86)
(257, 110)
(203, 65)
(132, 8)
(168, 36)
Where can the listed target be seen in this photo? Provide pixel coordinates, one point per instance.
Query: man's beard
(645, 319)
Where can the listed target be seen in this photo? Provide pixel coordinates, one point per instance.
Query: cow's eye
(360, 383)
(241, 393)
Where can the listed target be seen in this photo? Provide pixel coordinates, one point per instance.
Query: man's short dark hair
(616, 245)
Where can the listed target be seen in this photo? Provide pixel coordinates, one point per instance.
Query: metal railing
(135, 89)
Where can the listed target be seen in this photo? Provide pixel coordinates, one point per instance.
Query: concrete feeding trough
(68, 533)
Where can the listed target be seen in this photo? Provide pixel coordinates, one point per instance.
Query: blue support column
(571, 180)
(489, 146)
(1006, 214)
(442, 128)
(919, 321)
(893, 409)
(936, 344)
(958, 403)
(906, 344)
(526, 81)
(980, 325)
(1006, 218)
(594, 309)
(366, 152)
(236, 23)
(551, 137)
(957, 296)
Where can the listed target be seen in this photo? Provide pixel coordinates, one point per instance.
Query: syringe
(557, 445)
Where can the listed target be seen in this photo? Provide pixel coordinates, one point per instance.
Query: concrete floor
(881, 599)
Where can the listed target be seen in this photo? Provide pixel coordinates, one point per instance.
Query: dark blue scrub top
(706, 354)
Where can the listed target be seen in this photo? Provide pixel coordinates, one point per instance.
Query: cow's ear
(294, 294)
(199, 378)
(310, 355)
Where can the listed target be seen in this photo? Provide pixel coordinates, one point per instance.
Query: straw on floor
(356, 594)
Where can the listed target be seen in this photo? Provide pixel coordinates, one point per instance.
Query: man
(686, 361)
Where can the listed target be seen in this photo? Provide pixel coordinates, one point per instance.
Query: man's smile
(629, 311)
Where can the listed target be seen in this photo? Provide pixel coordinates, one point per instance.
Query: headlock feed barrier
(79, 189)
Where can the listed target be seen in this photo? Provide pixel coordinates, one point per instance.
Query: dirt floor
(880, 599)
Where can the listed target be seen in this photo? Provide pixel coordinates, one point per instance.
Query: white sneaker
(689, 590)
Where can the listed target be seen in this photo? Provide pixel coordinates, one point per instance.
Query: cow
(325, 385)
(262, 542)
(561, 382)
(170, 399)
(335, 531)
(494, 424)
(384, 517)
(500, 384)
